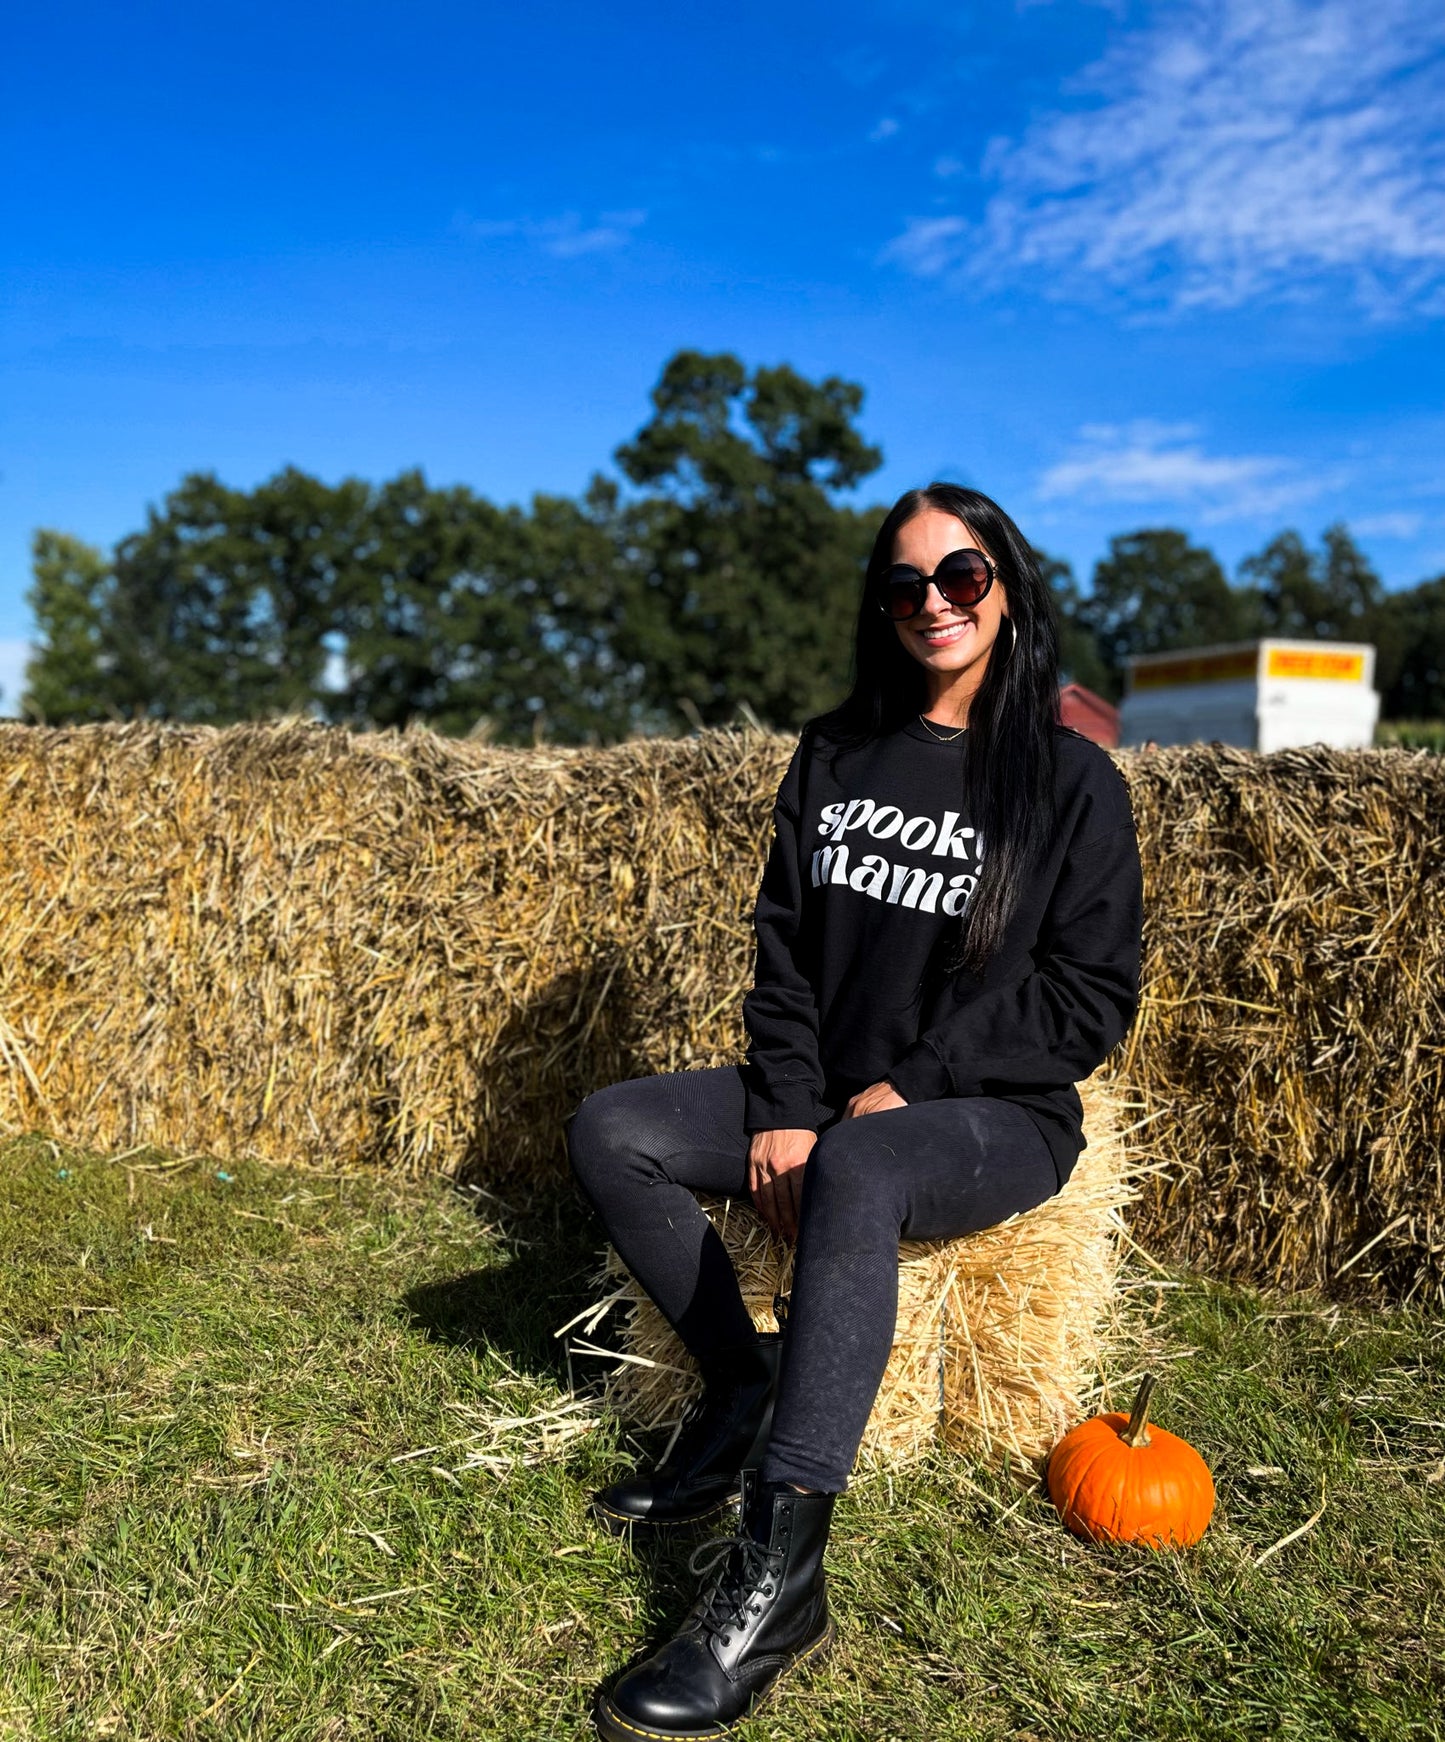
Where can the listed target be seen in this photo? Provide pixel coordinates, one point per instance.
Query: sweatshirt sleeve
(1060, 1021)
(783, 1078)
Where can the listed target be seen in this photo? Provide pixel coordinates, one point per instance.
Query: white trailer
(1260, 695)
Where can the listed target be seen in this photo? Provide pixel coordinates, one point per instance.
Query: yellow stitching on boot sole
(664, 1735)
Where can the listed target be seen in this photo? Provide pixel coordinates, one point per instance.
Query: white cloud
(1388, 525)
(885, 129)
(927, 246)
(563, 236)
(1163, 463)
(1232, 150)
(13, 655)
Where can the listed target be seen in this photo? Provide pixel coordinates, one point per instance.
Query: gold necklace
(942, 738)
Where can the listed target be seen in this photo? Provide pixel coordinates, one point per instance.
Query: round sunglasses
(963, 577)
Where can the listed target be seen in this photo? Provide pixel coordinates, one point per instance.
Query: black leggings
(929, 1171)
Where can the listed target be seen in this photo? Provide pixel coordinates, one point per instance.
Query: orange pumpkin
(1116, 1479)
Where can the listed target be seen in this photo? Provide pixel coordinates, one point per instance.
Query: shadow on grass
(550, 1249)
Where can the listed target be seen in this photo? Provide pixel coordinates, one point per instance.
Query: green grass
(1411, 734)
(205, 1384)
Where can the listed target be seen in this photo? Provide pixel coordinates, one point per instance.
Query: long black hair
(1009, 748)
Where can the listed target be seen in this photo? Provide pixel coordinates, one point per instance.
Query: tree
(1415, 618)
(221, 605)
(1334, 595)
(434, 605)
(583, 559)
(420, 554)
(66, 675)
(1155, 592)
(740, 575)
(460, 612)
(1295, 592)
(1079, 657)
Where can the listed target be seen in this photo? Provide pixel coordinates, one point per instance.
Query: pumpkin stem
(1137, 1432)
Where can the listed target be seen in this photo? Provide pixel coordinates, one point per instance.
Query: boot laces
(725, 1605)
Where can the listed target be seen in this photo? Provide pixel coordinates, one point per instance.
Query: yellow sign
(1316, 662)
(1195, 668)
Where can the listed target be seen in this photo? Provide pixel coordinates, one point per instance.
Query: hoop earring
(1013, 637)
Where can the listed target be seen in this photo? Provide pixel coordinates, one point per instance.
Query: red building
(1089, 714)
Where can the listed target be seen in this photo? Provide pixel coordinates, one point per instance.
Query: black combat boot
(764, 1610)
(722, 1430)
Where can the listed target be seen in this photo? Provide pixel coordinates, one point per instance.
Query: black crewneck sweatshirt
(869, 862)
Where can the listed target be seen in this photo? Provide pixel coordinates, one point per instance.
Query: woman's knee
(592, 1131)
(603, 1131)
(846, 1173)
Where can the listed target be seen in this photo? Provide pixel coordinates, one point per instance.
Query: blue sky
(1118, 265)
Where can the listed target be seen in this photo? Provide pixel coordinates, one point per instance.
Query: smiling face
(953, 668)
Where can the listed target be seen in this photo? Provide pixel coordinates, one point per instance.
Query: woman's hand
(876, 1098)
(776, 1160)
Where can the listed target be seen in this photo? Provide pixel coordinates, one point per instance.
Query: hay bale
(397, 951)
(1288, 1043)
(999, 1334)
(288, 942)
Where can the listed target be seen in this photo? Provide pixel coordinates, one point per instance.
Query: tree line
(726, 572)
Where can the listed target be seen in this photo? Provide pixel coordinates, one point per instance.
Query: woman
(948, 940)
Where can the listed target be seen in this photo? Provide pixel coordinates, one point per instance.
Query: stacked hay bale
(392, 950)
(999, 1336)
(292, 942)
(1289, 1043)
